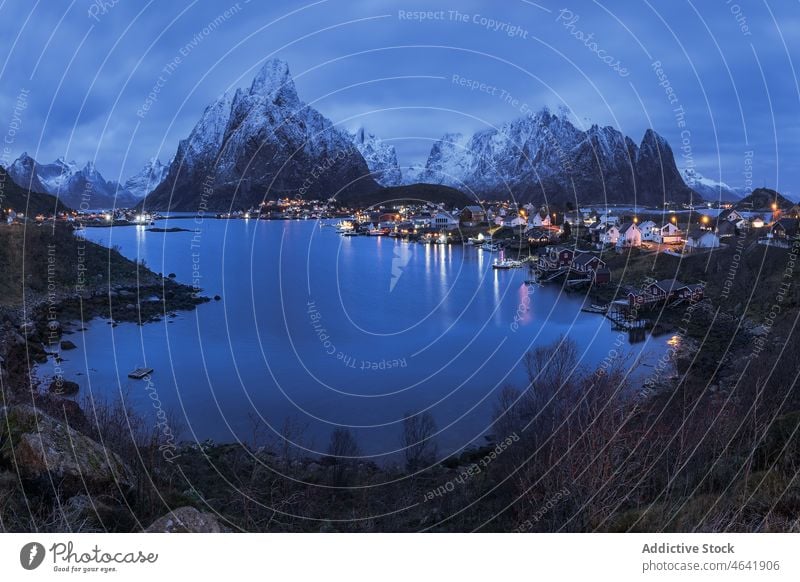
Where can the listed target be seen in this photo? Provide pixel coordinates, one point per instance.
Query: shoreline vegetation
(709, 443)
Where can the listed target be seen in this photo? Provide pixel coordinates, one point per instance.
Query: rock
(217, 297)
(63, 387)
(63, 409)
(186, 520)
(68, 345)
(47, 452)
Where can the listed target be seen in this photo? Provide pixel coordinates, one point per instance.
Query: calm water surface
(330, 331)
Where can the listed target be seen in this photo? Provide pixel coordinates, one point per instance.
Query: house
(665, 290)
(511, 220)
(601, 276)
(539, 219)
(587, 262)
(556, 258)
(784, 228)
(473, 216)
(669, 234)
(608, 235)
(731, 216)
(608, 218)
(725, 228)
(629, 236)
(444, 220)
(649, 230)
(701, 240)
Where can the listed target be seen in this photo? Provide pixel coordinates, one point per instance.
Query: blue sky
(86, 68)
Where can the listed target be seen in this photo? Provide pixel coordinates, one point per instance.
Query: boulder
(68, 345)
(46, 451)
(63, 387)
(186, 520)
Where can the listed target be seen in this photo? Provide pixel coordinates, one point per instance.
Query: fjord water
(328, 331)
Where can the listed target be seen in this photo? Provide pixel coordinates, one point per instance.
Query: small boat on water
(506, 264)
(490, 247)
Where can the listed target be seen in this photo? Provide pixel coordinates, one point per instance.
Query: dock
(140, 373)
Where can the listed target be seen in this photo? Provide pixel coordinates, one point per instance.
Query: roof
(625, 227)
(584, 258)
(788, 224)
(474, 208)
(669, 284)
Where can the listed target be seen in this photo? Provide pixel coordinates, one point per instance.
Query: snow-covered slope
(76, 186)
(710, 189)
(145, 181)
(261, 143)
(544, 156)
(381, 158)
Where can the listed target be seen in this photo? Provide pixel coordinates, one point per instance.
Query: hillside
(763, 199)
(17, 198)
(413, 193)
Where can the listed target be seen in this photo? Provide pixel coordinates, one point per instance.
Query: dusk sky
(85, 69)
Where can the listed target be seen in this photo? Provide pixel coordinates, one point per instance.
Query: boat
(506, 264)
(490, 247)
(140, 373)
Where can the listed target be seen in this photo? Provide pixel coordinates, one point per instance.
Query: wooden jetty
(140, 373)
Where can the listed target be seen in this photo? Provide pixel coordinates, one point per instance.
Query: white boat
(489, 247)
(506, 264)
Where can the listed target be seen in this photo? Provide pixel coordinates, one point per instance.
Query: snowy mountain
(261, 143)
(77, 187)
(381, 158)
(145, 181)
(710, 189)
(544, 157)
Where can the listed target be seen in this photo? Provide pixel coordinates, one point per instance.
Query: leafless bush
(419, 447)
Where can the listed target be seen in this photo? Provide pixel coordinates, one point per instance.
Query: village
(590, 249)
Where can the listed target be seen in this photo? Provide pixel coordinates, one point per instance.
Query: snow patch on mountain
(380, 156)
(145, 181)
(711, 189)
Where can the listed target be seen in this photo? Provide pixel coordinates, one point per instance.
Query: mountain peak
(274, 80)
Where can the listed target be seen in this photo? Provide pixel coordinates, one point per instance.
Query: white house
(609, 235)
(608, 218)
(701, 240)
(649, 230)
(444, 220)
(668, 234)
(513, 221)
(629, 236)
(537, 220)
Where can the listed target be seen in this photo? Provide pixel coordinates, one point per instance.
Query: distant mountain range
(263, 142)
(83, 186)
(18, 199)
